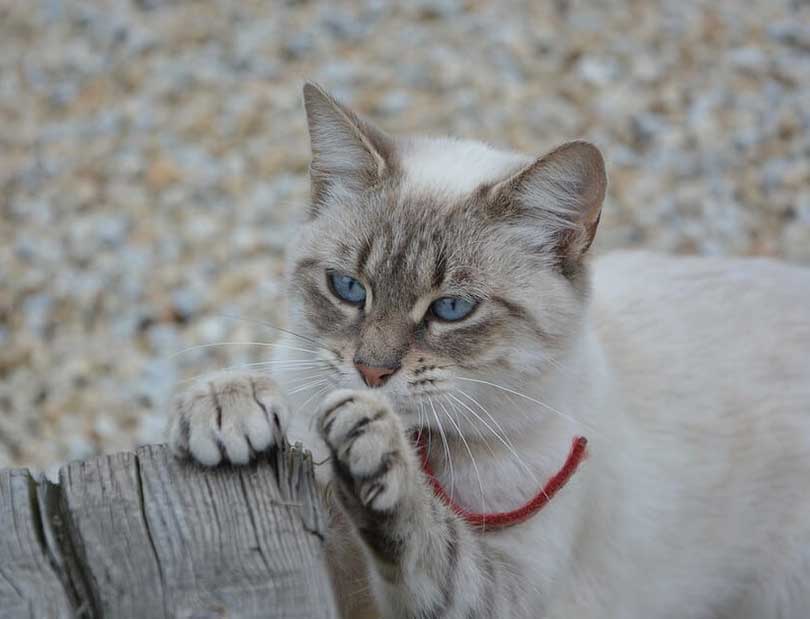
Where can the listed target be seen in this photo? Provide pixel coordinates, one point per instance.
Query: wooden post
(142, 535)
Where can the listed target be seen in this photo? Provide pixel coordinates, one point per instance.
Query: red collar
(501, 520)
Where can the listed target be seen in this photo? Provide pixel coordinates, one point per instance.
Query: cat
(441, 297)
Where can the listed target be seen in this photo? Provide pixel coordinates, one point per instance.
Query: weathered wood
(29, 583)
(142, 535)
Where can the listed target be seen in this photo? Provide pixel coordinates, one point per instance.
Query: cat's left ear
(563, 192)
(346, 150)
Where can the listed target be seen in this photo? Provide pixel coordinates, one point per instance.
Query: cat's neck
(528, 431)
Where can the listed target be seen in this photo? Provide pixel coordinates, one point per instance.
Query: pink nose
(373, 377)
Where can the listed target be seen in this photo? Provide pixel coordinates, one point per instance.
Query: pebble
(154, 163)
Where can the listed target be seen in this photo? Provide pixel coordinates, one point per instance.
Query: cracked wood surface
(142, 535)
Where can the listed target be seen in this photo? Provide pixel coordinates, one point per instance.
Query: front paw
(227, 418)
(373, 461)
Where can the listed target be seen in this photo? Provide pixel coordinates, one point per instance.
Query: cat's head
(429, 264)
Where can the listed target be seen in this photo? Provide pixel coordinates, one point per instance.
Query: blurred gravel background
(153, 159)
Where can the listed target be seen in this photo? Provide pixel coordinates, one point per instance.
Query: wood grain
(30, 585)
(142, 535)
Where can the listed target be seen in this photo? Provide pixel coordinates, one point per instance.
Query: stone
(154, 163)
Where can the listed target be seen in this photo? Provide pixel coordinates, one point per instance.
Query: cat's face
(420, 273)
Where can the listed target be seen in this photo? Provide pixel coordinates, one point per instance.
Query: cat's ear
(563, 191)
(346, 150)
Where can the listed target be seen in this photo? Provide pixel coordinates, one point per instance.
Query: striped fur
(689, 377)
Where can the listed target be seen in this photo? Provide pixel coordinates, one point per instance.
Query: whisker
(530, 399)
(280, 364)
(503, 439)
(309, 376)
(469, 452)
(243, 366)
(267, 344)
(459, 411)
(423, 417)
(319, 392)
(262, 323)
(308, 386)
(446, 447)
(503, 434)
(419, 424)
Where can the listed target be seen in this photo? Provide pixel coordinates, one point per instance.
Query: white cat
(439, 297)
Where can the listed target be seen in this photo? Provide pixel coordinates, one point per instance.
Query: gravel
(153, 159)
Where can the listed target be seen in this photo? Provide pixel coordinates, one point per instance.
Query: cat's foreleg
(427, 561)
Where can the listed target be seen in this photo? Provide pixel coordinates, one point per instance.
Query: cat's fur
(689, 376)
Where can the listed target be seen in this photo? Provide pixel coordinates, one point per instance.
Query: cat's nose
(374, 376)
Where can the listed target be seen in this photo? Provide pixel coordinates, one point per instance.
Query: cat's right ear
(346, 150)
(563, 192)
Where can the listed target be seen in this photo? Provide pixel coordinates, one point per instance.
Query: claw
(226, 419)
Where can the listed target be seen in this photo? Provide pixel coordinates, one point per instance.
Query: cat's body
(689, 377)
(704, 511)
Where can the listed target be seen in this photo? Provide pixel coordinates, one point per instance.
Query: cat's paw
(227, 417)
(372, 458)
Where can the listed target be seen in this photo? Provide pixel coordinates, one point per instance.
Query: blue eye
(451, 309)
(347, 288)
